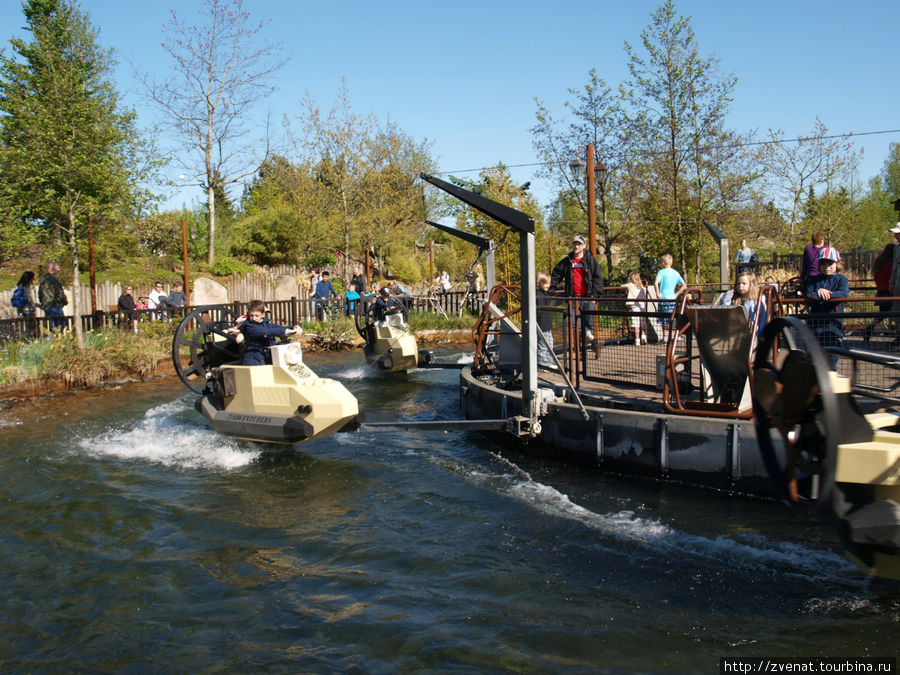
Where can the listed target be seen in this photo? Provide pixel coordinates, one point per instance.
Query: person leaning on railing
(821, 290)
(127, 305)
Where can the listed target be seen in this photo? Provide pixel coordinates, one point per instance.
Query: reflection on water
(134, 536)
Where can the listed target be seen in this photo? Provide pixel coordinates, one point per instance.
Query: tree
(222, 69)
(496, 184)
(365, 176)
(795, 169)
(598, 120)
(890, 174)
(677, 106)
(68, 148)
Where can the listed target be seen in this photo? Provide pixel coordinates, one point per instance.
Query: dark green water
(135, 539)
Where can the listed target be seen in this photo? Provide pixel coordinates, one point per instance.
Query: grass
(106, 353)
(114, 352)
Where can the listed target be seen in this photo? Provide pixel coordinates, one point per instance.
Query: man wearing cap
(821, 292)
(580, 273)
(385, 305)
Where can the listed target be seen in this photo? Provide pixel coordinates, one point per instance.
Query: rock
(208, 292)
(286, 287)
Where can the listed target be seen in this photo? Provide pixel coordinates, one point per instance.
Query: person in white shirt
(157, 296)
(445, 282)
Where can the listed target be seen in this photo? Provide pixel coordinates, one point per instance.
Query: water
(134, 538)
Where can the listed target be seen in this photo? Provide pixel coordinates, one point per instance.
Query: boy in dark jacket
(258, 333)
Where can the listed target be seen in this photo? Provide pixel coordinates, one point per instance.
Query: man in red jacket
(580, 273)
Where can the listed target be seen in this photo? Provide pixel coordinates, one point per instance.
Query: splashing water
(163, 437)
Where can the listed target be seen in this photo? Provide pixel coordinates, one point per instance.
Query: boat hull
(710, 452)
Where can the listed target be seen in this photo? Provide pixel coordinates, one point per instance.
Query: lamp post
(184, 255)
(594, 171)
(92, 279)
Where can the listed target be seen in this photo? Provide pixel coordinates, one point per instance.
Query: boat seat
(724, 342)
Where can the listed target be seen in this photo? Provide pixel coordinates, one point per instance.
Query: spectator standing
(359, 279)
(446, 284)
(821, 290)
(157, 297)
(654, 327)
(324, 292)
(895, 268)
(745, 258)
(882, 271)
(23, 296)
(52, 296)
(809, 267)
(579, 274)
(544, 301)
(669, 284)
(23, 301)
(637, 302)
(314, 280)
(351, 297)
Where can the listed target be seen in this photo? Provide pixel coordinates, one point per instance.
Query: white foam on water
(465, 358)
(162, 437)
(746, 549)
(354, 373)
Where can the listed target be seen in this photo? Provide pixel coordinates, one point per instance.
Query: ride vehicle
(281, 402)
(389, 345)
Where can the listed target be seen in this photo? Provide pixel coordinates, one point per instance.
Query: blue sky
(464, 75)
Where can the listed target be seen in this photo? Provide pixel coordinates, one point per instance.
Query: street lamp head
(576, 166)
(600, 172)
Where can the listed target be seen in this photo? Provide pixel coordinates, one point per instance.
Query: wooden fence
(286, 312)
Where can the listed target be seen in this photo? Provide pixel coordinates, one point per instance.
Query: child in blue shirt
(669, 285)
(351, 297)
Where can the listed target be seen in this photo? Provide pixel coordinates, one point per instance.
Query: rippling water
(135, 538)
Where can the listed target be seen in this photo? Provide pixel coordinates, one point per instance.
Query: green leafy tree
(69, 148)
(365, 179)
(890, 174)
(497, 184)
(678, 102)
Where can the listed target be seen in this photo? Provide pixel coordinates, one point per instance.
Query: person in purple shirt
(809, 267)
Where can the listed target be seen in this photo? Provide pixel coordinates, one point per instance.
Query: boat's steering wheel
(792, 392)
(208, 347)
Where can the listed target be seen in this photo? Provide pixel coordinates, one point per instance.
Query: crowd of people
(577, 275)
(653, 300)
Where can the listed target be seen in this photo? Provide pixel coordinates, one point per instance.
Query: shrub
(225, 266)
